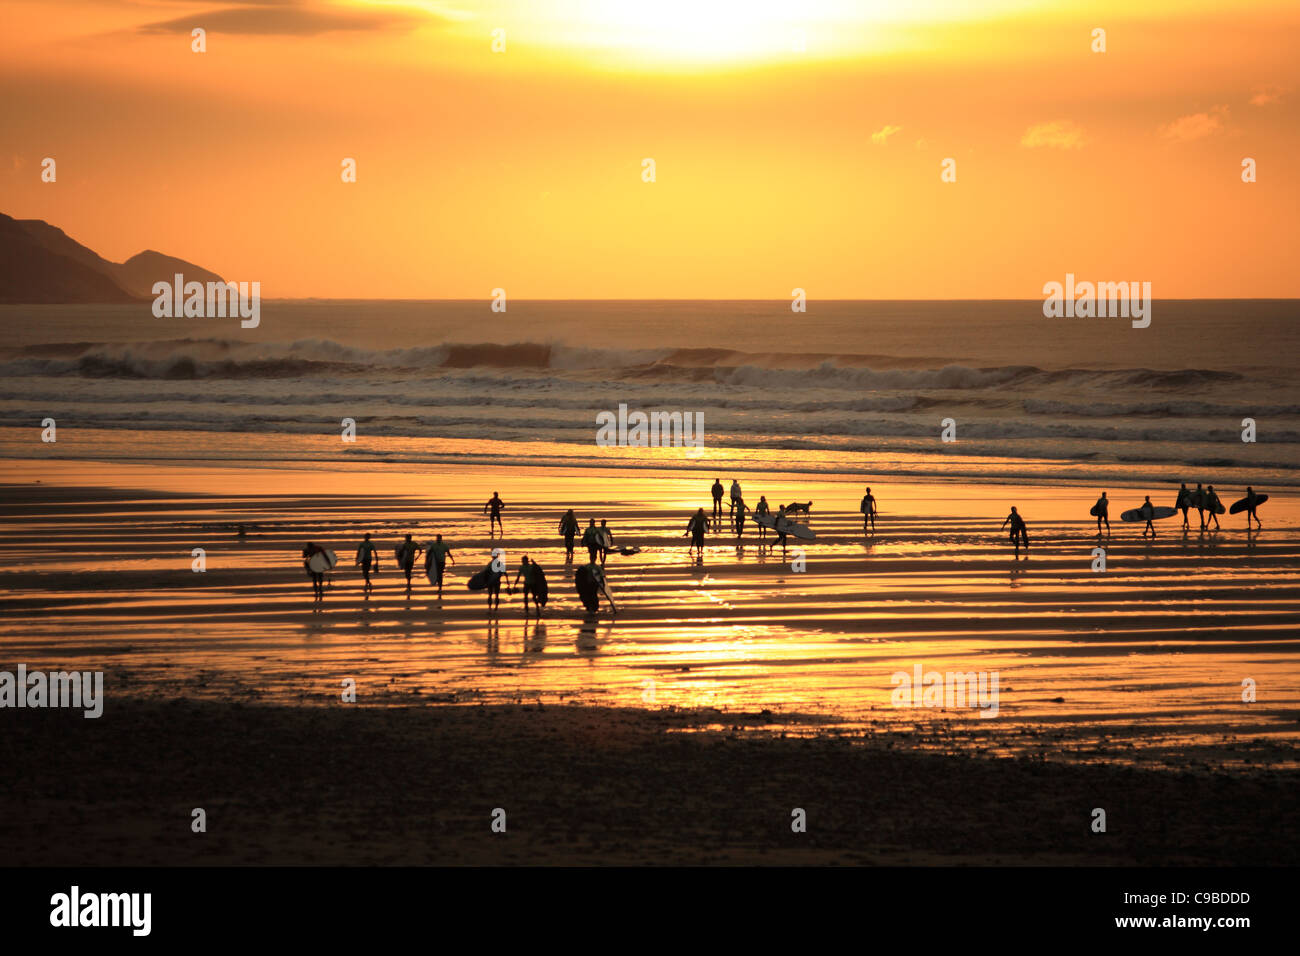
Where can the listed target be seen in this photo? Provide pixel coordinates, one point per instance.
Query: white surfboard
(323, 561)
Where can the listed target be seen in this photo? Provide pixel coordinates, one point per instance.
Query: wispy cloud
(1266, 96)
(881, 136)
(1057, 134)
(303, 18)
(1195, 126)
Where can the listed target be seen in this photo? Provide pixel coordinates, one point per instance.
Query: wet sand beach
(1127, 681)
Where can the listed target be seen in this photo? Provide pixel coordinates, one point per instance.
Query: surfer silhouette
(1148, 511)
(435, 562)
(778, 525)
(1184, 502)
(1102, 510)
(1019, 531)
(407, 552)
(735, 493)
(762, 510)
(317, 577)
(494, 506)
(717, 498)
(740, 508)
(1198, 502)
(697, 525)
(1213, 506)
(527, 571)
(591, 540)
(868, 509)
(569, 528)
(368, 560)
(606, 541)
(1252, 502)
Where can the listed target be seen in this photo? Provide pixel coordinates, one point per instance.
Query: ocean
(847, 387)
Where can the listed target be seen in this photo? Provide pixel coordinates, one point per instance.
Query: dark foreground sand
(585, 785)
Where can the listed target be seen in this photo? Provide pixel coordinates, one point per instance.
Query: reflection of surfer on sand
(1019, 531)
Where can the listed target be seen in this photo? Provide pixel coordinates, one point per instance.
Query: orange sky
(522, 169)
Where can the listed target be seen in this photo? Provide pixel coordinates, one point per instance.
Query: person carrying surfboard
(317, 577)
(592, 540)
(741, 508)
(1252, 502)
(1213, 506)
(407, 552)
(778, 525)
(1019, 531)
(528, 572)
(569, 528)
(367, 559)
(606, 541)
(696, 528)
(1198, 502)
(590, 582)
(1183, 503)
(493, 509)
(435, 561)
(717, 499)
(1102, 510)
(735, 493)
(868, 509)
(1148, 512)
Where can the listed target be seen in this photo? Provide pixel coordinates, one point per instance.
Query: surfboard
(588, 591)
(625, 550)
(1240, 506)
(1157, 512)
(480, 581)
(1095, 511)
(323, 561)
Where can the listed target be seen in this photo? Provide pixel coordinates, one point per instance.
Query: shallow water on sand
(1143, 662)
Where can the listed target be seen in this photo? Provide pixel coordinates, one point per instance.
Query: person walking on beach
(591, 540)
(1102, 510)
(1183, 502)
(367, 560)
(1212, 505)
(779, 525)
(569, 528)
(717, 499)
(762, 510)
(435, 562)
(868, 509)
(528, 572)
(696, 527)
(1019, 531)
(495, 571)
(317, 577)
(606, 541)
(1252, 502)
(735, 494)
(740, 509)
(1198, 502)
(1148, 511)
(407, 552)
(590, 582)
(493, 509)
